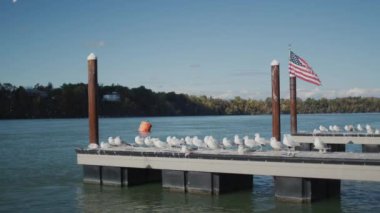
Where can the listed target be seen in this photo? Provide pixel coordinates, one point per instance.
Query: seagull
(175, 141)
(331, 128)
(287, 141)
(185, 150)
(110, 140)
(148, 141)
(349, 128)
(188, 140)
(276, 145)
(198, 142)
(359, 127)
(211, 142)
(241, 149)
(93, 146)
(227, 143)
(260, 141)
(251, 143)
(158, 143)
(139, 140)
(316, 131)
(117, 141)
(318, 144)
(104, 145)
(323, 129)
(336, 128)
(369, 129)
(237, 140)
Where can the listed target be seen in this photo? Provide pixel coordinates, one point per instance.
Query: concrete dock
(334, 165)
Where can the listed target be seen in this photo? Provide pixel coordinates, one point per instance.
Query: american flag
(301, 69)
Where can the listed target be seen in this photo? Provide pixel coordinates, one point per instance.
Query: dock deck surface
(334, 165)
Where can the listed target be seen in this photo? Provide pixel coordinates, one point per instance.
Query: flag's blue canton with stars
(301, 69)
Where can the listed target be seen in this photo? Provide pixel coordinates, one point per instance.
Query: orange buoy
(145, 127)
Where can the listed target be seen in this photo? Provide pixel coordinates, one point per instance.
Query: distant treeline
(70, 101)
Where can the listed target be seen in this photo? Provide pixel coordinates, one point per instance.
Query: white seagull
(237, 140)
(110, 140)
(251, 143)
(349, 128)
(158, 143)
(139, 140)
(211, 142)
(93, 146)
(117, 141)
(323, 129)
(287, 141)
(104, 145)
(241, 149)
(369, 129)
(198, 142)
(148, 141)
(188, 141)
(260, 141)
(176, 142)
(275, 144)
(336, 128)
(359, 127)
(227, 143)
(318, 144)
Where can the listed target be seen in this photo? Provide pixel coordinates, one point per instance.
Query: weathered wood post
(293, 104)
(93, 99)
(276, 125)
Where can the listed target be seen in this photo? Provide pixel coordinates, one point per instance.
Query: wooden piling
(276, 124)
(93, 99)
(293, 104)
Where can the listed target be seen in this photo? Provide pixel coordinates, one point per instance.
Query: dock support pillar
(93, 99)
(370, 148)
(217, 183)
(276, 123)
(116, 176)
(92, 174)
(337, 147)
(136, 176)
(293, 104)
(174, 180)
(205, 182)
(295, 189)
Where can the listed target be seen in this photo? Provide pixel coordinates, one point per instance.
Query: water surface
(39, 171)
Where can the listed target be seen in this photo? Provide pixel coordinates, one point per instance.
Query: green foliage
(70, 101)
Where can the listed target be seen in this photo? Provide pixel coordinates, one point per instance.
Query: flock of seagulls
(240, 144)
(186, 145)
(347, 128)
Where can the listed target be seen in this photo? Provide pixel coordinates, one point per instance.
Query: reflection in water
(151, 197)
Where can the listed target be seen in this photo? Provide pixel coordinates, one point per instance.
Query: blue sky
(216, 48)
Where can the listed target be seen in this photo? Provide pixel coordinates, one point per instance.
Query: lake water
(39, 171)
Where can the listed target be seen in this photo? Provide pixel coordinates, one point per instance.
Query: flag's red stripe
(304, 76)
(307, 79)
(303, 70)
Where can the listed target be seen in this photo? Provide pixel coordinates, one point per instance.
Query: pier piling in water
(276, 123)
(293, 104)
(93, 99)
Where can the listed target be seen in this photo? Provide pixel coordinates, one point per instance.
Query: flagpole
(293, 100)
